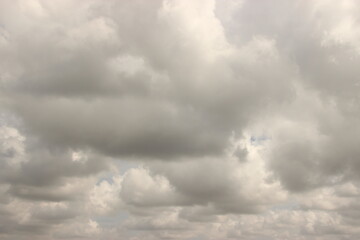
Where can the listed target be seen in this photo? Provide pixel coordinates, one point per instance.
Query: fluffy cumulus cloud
(179, 119)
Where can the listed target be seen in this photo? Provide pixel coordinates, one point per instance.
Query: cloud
(163, 110)
(179, 119)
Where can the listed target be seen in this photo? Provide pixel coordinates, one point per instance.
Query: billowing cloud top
(179, 119)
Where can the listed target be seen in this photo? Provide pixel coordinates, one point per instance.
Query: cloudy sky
(179, 119)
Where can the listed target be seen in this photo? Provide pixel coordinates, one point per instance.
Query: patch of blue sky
(258, 140)
(122, 167)
(289, 205)
(112, 220)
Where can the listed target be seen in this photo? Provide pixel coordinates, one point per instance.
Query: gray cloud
(123, 102)
(179, 119)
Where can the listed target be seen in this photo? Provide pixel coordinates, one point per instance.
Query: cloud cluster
(179, 119)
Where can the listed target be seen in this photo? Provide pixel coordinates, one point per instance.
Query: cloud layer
(179, 119)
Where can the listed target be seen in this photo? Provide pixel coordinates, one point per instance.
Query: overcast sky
(179, 119)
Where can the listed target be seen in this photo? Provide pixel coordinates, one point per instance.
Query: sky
(179, 120)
